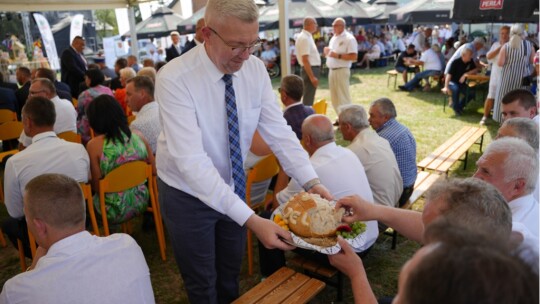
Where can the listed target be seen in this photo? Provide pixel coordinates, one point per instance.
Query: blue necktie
(235, 153)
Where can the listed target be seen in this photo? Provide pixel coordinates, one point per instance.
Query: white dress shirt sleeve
(12, 192)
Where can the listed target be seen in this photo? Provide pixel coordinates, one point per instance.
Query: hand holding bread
(269, 233)
(357, 208)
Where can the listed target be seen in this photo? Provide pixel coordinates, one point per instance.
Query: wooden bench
(424, 180)
(321, 272)
(283, 286)
(451, 150)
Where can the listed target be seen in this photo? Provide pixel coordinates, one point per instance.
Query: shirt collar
(148, 106)
(307, 33)
(386, 124)
(40, 136)
(324, 149)
(292, 105)
(69, 245)
(215, 73)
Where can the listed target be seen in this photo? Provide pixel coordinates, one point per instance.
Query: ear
(206, 32)
(519, 185)
(40, 228)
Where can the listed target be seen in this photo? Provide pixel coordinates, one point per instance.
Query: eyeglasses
(239, 49)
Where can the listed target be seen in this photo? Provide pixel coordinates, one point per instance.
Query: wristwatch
(310, 184)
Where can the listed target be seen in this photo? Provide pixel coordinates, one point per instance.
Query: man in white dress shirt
(140, 98)
(375, 154)
(201, 199)
(46, 154)
(66, 116)
(338, 168)
(309, 59)
(72, 266)
(341, 52)
(511, 165)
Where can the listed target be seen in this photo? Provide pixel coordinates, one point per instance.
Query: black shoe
(403, 88)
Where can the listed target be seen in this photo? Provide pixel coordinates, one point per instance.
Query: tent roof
(63, 5)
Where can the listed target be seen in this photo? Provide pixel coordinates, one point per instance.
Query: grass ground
(420, 111)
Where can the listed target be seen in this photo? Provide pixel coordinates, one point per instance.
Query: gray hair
(386, 107)
(473, 204)
(149, 72)
(521, 160)
(525, 128)
(515, 35)
(339, 19)
(128, 73)
(355, 115)
(318, 131)
(220, 10)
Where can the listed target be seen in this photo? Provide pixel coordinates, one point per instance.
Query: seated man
(338, 168)
(454, 83)
(140, 99)
(373, 53)
(46, 154)
(66, 115)
(511, 165)
(72, 266)
(290, 93)
(519, 103)
(520, 127)
(62, 90)
(375, 154)
(268, 56)
(382, 118)
(432, 66)
(401, 65)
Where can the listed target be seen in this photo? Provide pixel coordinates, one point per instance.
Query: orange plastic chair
(128, 176)
(10, 130)
(265, 169)
(320, 106)
(2, 239)
(7, 115)
(87, 194)
(70, 136)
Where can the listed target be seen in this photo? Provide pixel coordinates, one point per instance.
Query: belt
(338, 68)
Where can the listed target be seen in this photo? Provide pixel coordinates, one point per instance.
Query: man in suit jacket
(73, 65)
(198, 39)
(24, 76)
(175, 49)
(290, 92)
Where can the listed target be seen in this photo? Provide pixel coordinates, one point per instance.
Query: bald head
(317, 131)
(310, 24)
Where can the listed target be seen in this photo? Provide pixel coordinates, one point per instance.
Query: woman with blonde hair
(515, 60)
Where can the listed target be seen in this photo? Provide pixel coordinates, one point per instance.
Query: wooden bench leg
(395, 81)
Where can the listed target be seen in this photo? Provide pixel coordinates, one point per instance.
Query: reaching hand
(346, 261)
(359, 209)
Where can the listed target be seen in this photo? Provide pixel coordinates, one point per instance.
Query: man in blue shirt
(382, 118)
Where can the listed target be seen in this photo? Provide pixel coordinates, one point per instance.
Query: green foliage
(106, 17)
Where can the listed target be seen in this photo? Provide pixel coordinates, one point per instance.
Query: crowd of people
(210, 115)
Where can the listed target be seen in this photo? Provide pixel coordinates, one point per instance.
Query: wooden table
(283, 286)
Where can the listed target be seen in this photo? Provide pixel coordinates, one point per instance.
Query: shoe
(403, 88)
(336, 123)
(483, 121)
(426, 88)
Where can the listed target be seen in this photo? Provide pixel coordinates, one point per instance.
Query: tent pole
(284, 38)
(133, 32)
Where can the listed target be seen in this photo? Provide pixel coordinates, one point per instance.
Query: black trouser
(405, 195)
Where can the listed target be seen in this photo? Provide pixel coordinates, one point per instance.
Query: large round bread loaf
(310, 215)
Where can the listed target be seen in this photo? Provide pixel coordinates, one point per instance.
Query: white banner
(48, 41)
(76, 27)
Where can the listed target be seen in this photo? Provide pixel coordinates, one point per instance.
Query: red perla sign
(491, 4)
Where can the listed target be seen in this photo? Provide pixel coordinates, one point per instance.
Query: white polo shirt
(305, 45)
(345, 43)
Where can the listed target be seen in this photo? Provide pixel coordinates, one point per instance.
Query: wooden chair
(10, 130)
(128, 176)
(70, 136)
(3, 242)
(87, 194)
(320, 106)
(264, 170)
(7, 115)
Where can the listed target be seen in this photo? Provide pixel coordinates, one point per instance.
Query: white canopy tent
(68, 5)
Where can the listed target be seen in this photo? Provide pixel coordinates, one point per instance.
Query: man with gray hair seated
(511, 165)
(375, 154)
(70, 265)
(520, 127)
(382, 118)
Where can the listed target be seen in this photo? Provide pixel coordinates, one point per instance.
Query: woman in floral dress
(114, 145)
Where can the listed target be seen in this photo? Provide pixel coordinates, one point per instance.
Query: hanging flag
(48, 41)
(76, 27)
